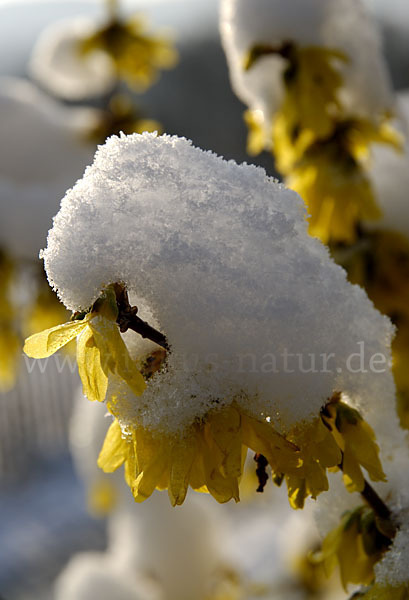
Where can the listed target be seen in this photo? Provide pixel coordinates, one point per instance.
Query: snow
(219, 254)
(392, 569)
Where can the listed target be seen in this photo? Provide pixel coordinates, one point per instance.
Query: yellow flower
(288, 148)
(320, 150)
(100, 348)
(257, 138)
(337, 192)
(10, 345)
(355, 545)
(340, 438)
(208, 458)
(102, 497)
(311, 82)
(10, 348)
(331, 176)
(136, 56)
(356, 439)
(318, 451)
(310, 573)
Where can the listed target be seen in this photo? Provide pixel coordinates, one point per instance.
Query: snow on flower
(83, 58)
(341, 25)
(318, 96)
(217, 258)
(57, 64)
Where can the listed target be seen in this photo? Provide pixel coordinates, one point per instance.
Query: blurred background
(56, 105)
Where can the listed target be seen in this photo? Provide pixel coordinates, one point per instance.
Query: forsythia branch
(128, 319)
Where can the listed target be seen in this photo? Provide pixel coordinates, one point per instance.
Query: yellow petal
(352, 475)
(147, 480)
(224, 429)
(131, 467)
(41, 345)
(360, 441)
(261, 437)
(182, 458)
(222, 488)
(94, 380)
(355, 565)
(297, 491)
(115, 354)
(152, 459)
(114, 450)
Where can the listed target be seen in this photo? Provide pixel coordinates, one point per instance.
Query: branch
(128, 319)
(375, 502)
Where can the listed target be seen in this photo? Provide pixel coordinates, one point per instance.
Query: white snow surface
(219, 254)
(343, 25)
(392, 570)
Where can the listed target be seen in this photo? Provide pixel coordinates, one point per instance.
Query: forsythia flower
(136, 56)
(356, 545)
(311, 574)
(205, 274)
(356, 439)
(209, 458)
(257, 137)
(338, 194)
(9, 352)
(100, 348)
(9, 339)
(330, 176)
(319, 451)
(311, 86)
(321, 151)
(102, 497)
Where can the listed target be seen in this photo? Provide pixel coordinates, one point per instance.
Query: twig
(128, 319)
(375, 502)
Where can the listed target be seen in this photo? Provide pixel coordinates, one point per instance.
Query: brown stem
(379, 507)
(375, 502)
(128, 319)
